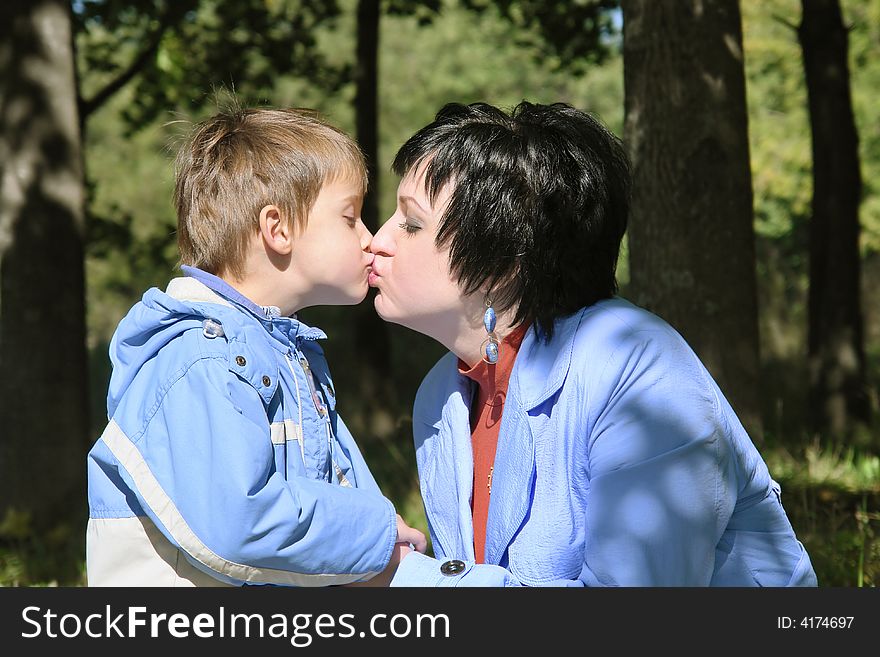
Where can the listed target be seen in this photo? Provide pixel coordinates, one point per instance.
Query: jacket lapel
(539, 372)
(513, 479)
(447, 472)
(446, 479)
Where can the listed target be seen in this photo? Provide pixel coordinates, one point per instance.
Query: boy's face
(331, 256)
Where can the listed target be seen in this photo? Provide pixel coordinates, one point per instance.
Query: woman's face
(412, 276)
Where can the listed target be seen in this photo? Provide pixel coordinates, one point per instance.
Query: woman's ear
(275, 230)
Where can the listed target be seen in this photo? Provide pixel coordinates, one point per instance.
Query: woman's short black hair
(538, 207)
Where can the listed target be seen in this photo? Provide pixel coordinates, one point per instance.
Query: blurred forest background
(754, 128)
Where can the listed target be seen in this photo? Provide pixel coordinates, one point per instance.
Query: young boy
(224, 460)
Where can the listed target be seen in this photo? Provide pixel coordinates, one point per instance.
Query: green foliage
(131, 244)
(831, 494)
(203, 45)
(580, 33)
(50, 558)
(839, 531)
(424, 10)
(779, 122)
(838, 467)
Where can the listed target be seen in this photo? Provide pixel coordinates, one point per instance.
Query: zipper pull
(316, 398)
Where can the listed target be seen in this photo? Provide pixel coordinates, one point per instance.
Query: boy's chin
(354, 297)
(346, 301)
(339, 298)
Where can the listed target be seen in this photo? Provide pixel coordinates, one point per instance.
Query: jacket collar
(201, 286)
(541, 366)
(225, 290)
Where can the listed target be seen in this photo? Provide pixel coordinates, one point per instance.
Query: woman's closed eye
(351, 220)
(409, 226)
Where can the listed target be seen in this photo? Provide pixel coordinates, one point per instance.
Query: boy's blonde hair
(241, 160)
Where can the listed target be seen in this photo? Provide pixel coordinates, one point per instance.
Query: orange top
(492, 381)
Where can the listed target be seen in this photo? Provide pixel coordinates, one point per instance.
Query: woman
(569, 437)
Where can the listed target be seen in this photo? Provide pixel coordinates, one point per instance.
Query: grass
(832, 497)
(834, 467)
(51, 558)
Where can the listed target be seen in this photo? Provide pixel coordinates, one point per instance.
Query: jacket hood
(152, 323)
(161, 317)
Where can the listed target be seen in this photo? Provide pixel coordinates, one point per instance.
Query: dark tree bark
(367, 101)
(371, 333)
(691, 239)
(838, 384)
(43, 390)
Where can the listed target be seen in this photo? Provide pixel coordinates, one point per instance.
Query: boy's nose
(366, 237)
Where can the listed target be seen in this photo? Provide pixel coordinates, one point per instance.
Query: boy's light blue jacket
(224, 455)
(619, 463)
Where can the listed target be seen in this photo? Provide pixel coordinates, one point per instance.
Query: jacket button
(451, 568)
(267, 381)
(240, 361)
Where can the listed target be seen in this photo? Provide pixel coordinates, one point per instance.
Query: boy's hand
(384, 578)
(408, 539)
(406, 534)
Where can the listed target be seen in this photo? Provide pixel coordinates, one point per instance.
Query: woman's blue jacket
(619, 463)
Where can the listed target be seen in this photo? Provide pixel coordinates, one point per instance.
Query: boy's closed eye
(349, 212)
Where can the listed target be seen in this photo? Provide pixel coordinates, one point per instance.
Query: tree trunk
(691, 239)
(838, 384)
(43, 390)
(371, 333)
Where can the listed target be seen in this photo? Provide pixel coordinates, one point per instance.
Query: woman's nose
(383, 243)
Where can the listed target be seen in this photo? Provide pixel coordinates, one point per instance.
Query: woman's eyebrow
(410, 199)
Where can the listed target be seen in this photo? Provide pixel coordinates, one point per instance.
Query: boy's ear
(275, 230)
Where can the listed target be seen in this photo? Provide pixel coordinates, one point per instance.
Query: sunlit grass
(836, 467)
(32, 564)
(47, 557)
(831, 494)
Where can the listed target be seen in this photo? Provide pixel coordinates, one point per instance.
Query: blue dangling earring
(491, 348)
